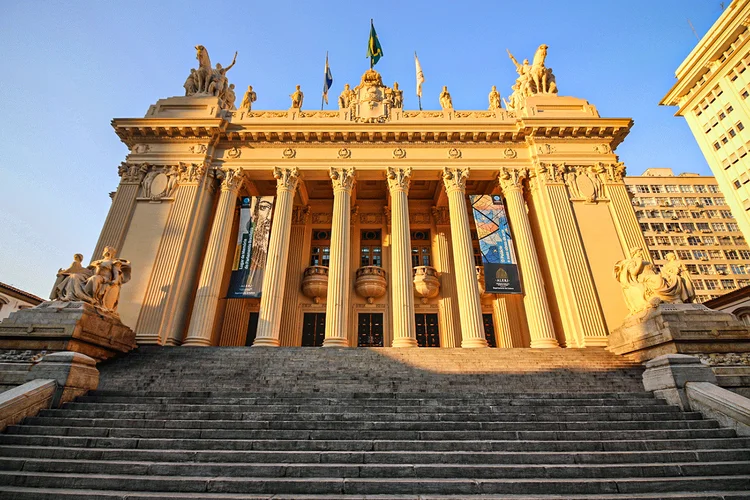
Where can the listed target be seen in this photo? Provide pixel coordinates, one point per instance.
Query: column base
(193, 342)
(266, 342)
(405, 342)
(173, 342)
(335, 342)
(474, 343)
(544, 344)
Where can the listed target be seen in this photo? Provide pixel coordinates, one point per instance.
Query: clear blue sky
(70, 67)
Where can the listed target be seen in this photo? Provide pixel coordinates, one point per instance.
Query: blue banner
(495, 243)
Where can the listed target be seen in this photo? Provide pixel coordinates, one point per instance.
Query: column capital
(192, 173)
(399, 178)
(342, 178)
(231, 178)
(612, 172)
(512, 178)
(286, 178)
(132, 173)
(455, 178)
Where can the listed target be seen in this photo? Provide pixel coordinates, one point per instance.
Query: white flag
(420, 75)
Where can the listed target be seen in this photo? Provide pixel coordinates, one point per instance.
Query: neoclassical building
(371, 241)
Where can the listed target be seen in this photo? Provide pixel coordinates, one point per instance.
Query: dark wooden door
(489, 330)
(313, 329)
(428, 332)
(252, 329)
(370, 330)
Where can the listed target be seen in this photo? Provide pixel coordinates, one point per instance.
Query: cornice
(133, 130)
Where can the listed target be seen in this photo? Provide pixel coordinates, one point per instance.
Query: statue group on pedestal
(644, 288)
(207, 80)
(534, 78)
(98, 284)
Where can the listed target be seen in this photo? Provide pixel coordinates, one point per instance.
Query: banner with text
(251, 252)
(496, 244)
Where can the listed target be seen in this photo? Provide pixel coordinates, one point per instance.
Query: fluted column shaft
(209, 287)
(469, 305)
(272, 297)
(402, 288)
(337, 300)
(541, 329)
(450, 326)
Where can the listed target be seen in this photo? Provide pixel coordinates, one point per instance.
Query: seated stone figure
(643, 288)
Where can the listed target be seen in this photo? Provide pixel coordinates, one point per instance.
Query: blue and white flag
(327, 80)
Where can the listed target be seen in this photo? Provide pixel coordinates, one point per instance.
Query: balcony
(426, 282)
(315, 282)
(370, 283)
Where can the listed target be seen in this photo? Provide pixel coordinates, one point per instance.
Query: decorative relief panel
(289, 153)
(235, 152)
(159, 183)
(322, 218)
(546, 149)
(192, 172)
(454, 153)
(419, 217)
(441, 215)
(300, 215)
(132, 173)
(399, 153)
(198, 148)
(141, 148)
(371, 218)
(510, 153)
(344, 153)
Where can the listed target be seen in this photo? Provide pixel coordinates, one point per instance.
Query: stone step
(678, 440)
(397, 425)
(388, 471)
(379, 457)
(359, 486)
(358, 435)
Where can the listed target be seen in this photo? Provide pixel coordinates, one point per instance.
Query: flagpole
(420, 102)
(325, 75)
(371, 28)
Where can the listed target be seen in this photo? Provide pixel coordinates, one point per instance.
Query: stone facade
(372, 179)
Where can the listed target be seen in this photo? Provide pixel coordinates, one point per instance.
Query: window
(728, 284)
(732, 133)
(703, 226)
(732, 226)
(692, 269)
(745, 254)
(696, 215)
(683, 214)
(688, 227)
(712, 284)
(707, 202)
(717, 146)
(657, 227)
(725, 214)
(671, 188)
(717, 201)
(724, 139)
(639, 214)
(657, 189)
(713, 188)
(705, 269)
(640, 188)
(700, 188)
(739, 125)
(678, 240)
(698, 285)
(716, 254)
(320, 251)
(420, 248)
(700, 255)
(371, 253)
(684, 255)
(662, 240)
(725, 241)
(673, 226)
(739, 240)
(721, 268)
(655, 255)
(742, 283)
(738, 269)
(731, 255)
(708, 240)
(722, 115)
(649, 242)
(686, 189)
(729, 109)
(644, 227)
(717, 226)
(712, 214)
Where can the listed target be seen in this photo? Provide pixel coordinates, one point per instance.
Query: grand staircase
(235, 423)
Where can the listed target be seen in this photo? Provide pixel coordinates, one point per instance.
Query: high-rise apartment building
(687, 214)
(712, 91)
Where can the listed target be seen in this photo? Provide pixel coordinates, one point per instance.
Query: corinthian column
(337, 301)
(272, 297)
(469, 304)
(402, 291)
(207, 297)
(541, 331)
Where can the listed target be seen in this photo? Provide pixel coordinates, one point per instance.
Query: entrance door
(428, 333)
(370, 330)
(489, 330)
(252, 328)
(313, 329)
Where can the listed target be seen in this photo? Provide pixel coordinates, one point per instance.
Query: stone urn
(370, 283)
(426, 282)
(315, 282)
(480, 281)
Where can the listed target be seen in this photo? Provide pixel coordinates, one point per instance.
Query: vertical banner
(249, 264)
(496, 245)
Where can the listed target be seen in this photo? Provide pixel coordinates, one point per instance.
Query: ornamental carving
(141, 148)
(198, 148)
(371, 218)
(613, 172)
(192, 172)
(726, 359)
(132, 173)
(454, 153)
(235, 152)
(419, 217)
(399, 153)
(289, 153)
(286, 178)
(546, 149)
(208, 80)
(160, 183)
(232, 178)
(602, 149)
(441, 215)
(344, 153)
(398, 178)
(455, 178)
(342, 178)
(510, 153)
(534, 78)
(300, 215)
(322, 218)
(547, 172)
(512, 178)
(584, 183)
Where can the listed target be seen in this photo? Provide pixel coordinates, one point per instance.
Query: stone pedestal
(74, 373)
(679, 329)
(667, 375)
(67, 326)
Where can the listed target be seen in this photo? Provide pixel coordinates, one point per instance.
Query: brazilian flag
(374, 50)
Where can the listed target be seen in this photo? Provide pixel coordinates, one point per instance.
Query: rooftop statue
(297, 98)
(494, 98)
(210, 81)
(249, 99)
(98, 284)
(346, 97)
(643, 288)
(398, 96)
(445, 99)
(534, 78)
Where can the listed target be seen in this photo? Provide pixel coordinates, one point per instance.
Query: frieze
(198, 148)
(602, 149)
(726, 358)
(419, 217)
(141, 148)
(370, 218)
(322, 218)
(546, 149)
(192, 172)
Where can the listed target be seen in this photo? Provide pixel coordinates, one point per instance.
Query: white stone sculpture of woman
(677, 277)
(446, 102)
(70, 283)
(109, 275)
